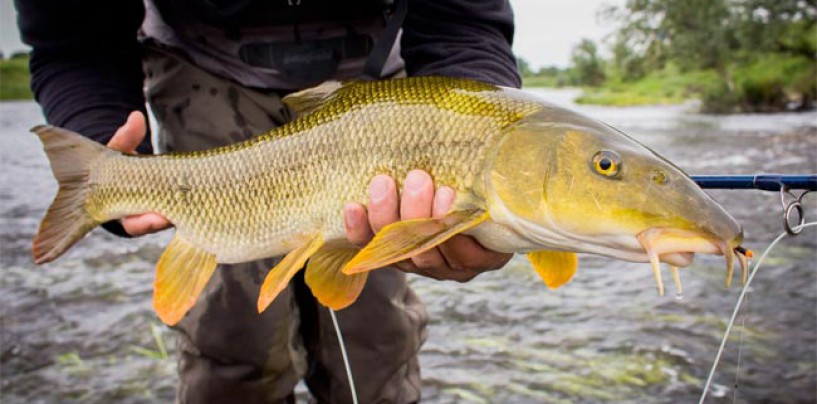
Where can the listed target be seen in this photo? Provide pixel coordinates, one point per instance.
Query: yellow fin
(308, 100)
(405, 239)
(278, 278)
(329, 285)
(554, 267)
(181, 274)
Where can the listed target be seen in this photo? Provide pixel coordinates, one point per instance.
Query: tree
(627, 64)
(695, 34)
(524, 67)
(763, 50)
(786, 26)
(588, 68)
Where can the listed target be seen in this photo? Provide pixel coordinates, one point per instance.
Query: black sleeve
(462, 38)
(86, 70)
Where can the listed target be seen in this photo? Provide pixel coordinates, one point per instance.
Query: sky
(546, 30)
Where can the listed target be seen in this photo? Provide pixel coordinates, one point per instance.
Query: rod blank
(766, 182)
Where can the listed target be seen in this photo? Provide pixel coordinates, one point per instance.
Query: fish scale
(259, 199)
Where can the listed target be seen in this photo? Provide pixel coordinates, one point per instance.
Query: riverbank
(660, 88)
(15, 79)
(766, 84)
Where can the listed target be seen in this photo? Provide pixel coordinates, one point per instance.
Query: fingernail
(350, 216)
(379, 188)
(416, 182)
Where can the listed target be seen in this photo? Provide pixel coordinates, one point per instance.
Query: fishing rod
(784, 184)
(765, 182)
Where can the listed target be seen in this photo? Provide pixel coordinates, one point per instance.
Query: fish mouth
(677, 248)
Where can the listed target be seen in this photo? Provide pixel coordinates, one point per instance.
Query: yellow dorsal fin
(306, 101)
(554, 267)
(329, 285)
(405, 239)
(278, 278)
(181, 274)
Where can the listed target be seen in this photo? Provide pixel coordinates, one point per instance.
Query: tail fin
(67, 221)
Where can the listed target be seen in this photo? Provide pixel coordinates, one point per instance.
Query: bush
(716, 98)
(764, 83)
(15, 79)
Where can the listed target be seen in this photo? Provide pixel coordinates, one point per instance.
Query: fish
(530, 178)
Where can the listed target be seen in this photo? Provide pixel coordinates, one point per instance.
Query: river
(82, 329)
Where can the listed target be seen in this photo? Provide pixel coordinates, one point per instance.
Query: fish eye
(607, 164)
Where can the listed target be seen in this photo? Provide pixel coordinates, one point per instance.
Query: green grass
(160, 353)
(668, 86)
(14, 79)
(760, 83)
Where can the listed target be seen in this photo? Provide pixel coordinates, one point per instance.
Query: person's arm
(460, 38)
(86, 70)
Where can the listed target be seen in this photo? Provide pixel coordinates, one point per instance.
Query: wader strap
(377, 59)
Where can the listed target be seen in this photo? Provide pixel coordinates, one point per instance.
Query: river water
(82, 329)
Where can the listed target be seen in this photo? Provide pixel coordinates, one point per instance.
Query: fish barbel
(530, 177)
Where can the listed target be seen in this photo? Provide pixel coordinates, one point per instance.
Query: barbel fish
(530, 177)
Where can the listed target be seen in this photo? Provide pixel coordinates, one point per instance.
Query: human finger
(356, 222)
(416, 202)
(463, 253)
(383, 206)
(145, 223)
(129, 135)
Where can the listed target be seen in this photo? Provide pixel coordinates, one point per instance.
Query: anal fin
(329, 284)
(405, 239)
(181, 275)
(554, 267)
(278, 278)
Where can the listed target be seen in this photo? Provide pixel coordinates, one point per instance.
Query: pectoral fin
(329, 285)
(405, 239)
(554, 267)
(278, 278)
(181, 274)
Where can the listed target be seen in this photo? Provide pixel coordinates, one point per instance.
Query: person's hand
(126, 139)
(461, 258)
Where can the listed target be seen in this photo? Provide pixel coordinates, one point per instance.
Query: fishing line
(740, 349)
(742, 296)
(345, 356)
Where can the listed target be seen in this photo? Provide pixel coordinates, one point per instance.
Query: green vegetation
(588, 67)
(733, 55)
(542, 81)
(160, 353)
(666, 86)
(544, 77)
(14, 78)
